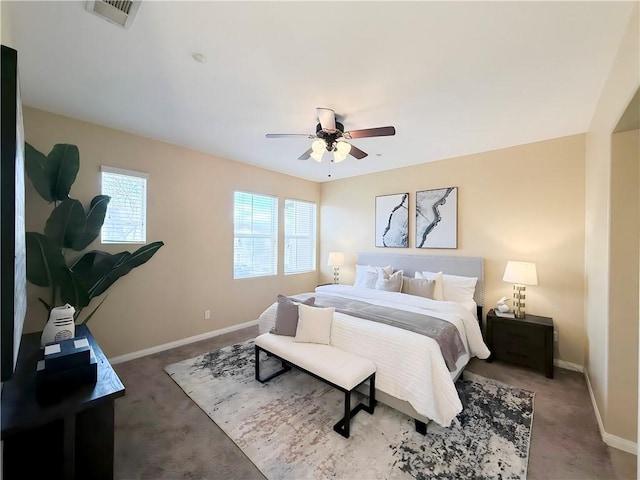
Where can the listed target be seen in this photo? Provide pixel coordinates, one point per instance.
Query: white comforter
(409, 366)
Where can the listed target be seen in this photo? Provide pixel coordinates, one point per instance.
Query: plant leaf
(72, 291)
(66, 223)
(99, 270)
(95, 265)
(34, 166)
(45, 263)
(61, 169)
(93, 222)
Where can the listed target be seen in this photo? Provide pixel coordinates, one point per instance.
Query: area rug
(285, 425)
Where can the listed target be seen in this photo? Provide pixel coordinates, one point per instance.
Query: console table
(71, 438)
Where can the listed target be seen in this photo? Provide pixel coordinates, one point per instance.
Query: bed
(413, 375)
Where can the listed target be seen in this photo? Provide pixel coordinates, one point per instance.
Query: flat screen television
(13, 283)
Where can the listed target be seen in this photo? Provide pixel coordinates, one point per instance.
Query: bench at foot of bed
(338, 368)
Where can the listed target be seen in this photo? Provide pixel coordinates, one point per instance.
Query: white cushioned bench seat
(332, 364)
(342, 370)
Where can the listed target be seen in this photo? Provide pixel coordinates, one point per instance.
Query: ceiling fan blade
(370, 132)
(289, 135)
(327, 119)
(356, 152)
(306, 155)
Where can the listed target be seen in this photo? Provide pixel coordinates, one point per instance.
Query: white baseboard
(611, 440)
(179, 343)
(620, 443)
(568, 365)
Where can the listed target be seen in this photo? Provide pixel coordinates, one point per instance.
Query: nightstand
(524, 341)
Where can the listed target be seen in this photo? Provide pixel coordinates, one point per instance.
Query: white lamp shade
(338, 157)
(336, 259)
(316, 156)
(318, 146)
(343, 147)
(521, 273)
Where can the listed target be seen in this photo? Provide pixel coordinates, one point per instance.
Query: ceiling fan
(330, 136)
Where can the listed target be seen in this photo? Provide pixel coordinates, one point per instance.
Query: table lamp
(520, 274)
(336, 260)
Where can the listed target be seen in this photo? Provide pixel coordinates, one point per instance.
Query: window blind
(299, 236)
(255, 231)
(126, 218)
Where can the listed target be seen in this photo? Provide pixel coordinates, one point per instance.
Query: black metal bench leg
(257, 362)
(372, 395)
(347, 414)
(285, 367)
(343, 427)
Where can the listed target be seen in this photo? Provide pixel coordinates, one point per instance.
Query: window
(255, 235)
(126, 219)
(299, 236)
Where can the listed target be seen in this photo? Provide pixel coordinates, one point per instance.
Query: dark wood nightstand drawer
(518, 354)
(525, 336)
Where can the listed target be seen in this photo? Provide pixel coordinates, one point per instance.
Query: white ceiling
(452, 77)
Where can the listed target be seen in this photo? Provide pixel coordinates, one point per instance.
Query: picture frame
(392, 220)
(437, 218)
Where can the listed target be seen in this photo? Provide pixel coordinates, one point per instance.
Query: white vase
(60, 325)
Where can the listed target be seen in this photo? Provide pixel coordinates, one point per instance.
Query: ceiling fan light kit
(318, 147)
(330, 136)
(341, 151)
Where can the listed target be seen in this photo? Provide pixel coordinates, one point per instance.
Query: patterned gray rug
(285, 425)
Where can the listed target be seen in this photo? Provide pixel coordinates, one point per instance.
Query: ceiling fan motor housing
(330, 137)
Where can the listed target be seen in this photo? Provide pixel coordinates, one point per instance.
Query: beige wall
(190, 208)
(5, 25)
(522, 203)
(621, 85)
(623, 307)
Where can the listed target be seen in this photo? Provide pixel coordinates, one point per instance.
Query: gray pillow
(421, 287)
(287, 315)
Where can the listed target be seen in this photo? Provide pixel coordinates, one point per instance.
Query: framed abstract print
(437, 218)
(392, 220)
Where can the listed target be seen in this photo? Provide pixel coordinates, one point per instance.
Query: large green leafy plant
(75, 279)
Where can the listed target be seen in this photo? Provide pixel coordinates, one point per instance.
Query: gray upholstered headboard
(463, 266)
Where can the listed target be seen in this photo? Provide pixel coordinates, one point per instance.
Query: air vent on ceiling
(120, 12)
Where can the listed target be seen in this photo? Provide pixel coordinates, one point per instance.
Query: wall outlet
(207, 314)
(555, 336)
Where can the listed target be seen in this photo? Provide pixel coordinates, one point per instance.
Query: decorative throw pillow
(366, 275)
(287, 315)
(421, 287)
(389, 283)
(456, 288)
(367, 278)
(437, 291)
(314, 325)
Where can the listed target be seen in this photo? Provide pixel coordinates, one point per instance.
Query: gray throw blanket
(443, 332)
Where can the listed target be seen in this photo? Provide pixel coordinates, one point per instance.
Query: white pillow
(420, 287)
(314, 324)
(366, 275)
(437, 291)
(389, 283)
(458, 289)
